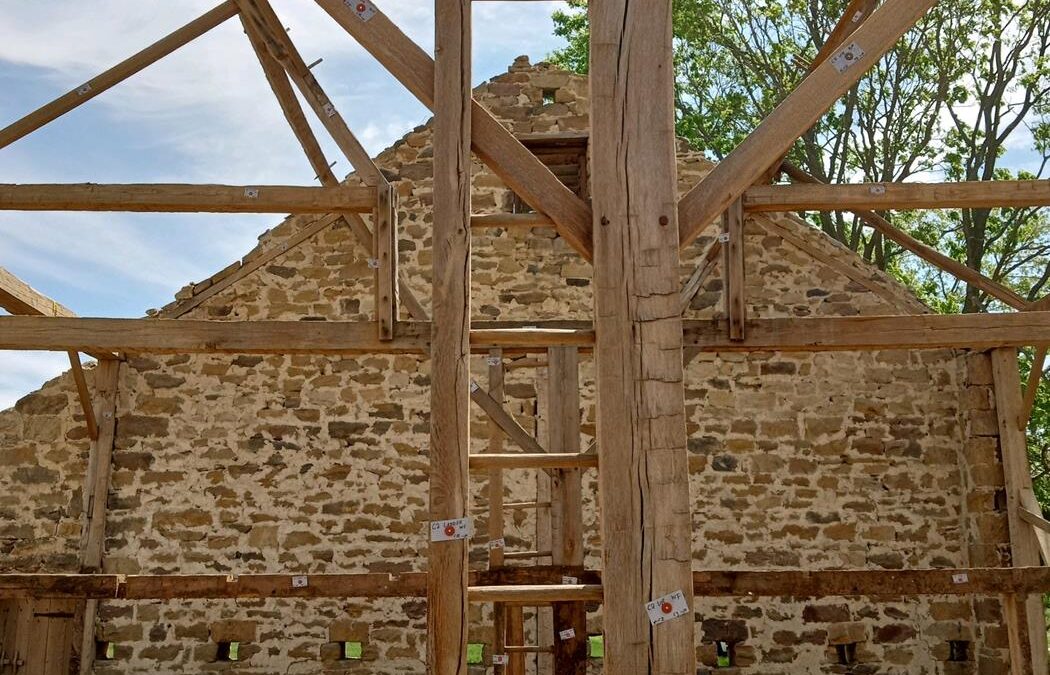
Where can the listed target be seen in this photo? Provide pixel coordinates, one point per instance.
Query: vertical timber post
(733, 266)
(96, 491)
(563, 429)
(1026, 622)
(385, 237)
(643, 468)
(449, 347)
(499, 610)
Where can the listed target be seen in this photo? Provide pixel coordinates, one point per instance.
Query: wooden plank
(504, 420)
(797, 113)
(515, 165)
(1031, 388)
(515, 636)
(450, 348)
(927, 253)
(897, 196)
(563, 430)
(548, 593)
(386, 273)
(529, 460)
(643, 480)
(182, 198)
(703, 270)
(733, 264)
(118, 73)
(1033, 519)
(83, 395)
(1030, 624)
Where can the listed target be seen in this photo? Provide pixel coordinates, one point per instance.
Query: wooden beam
(1034, 519)
(546, 593)
(96, 495)
(643, 480)
(283, 49)
(733, 264)
(729, 179)
(880, 584)
(83, 395)
(18, 297)
(117, 73)
(530, 460)
(811, 334)
(450, 343)
(181, 198)
(495, 499)
(563, 429)
(930, 255)
(1029, 623)
(863, 333)
(386, 263)
(492, 142)
(703, 270)
(897, 196)
(1035, 375)
(504, 420)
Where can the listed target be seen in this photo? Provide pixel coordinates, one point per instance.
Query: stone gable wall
(307, 464)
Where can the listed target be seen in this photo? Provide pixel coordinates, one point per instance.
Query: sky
(201, 115)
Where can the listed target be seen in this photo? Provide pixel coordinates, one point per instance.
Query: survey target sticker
(364, 9)
(670, 606)
(450, 530)
(500, 659)
(567, 634)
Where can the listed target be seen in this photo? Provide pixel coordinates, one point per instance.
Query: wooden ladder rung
(520, 555)
(526, 505)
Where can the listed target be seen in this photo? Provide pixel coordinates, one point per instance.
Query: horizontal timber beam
(543, 460)
(184, 198)
(528, 583)
(817, 334)
(898, 196)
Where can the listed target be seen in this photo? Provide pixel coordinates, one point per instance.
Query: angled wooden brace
(117, 74)
(492, 142)
(799, 111)
(278, 79)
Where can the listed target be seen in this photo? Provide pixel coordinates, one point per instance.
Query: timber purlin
(543, 580)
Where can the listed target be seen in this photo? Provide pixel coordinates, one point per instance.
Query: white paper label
(500, 659)
(877, 189)
(723, 237)
(961, 578)
(570, 581)
(328, 109)
(231, 578)
(251, 193)
(497, 543)
(567, 634)
(450, 530)
(373, 263)
(493, 360)
(847, 57)
(364, 9)
(670, 606)
(300, 582)
(857, 17)
(474, 387)
(84, 89)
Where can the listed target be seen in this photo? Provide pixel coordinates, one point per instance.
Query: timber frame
(634, 297)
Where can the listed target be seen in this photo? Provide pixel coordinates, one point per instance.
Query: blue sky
(202, 115)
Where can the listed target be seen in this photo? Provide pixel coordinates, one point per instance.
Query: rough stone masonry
(303, 464)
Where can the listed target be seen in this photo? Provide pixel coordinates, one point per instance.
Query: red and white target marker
(500, 659)
(300, 582)
(450, 530)
(670, 606)
(364, 9)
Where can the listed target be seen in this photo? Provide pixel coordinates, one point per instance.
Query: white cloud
(22, 372)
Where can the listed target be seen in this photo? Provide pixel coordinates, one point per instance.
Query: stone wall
(315, 464)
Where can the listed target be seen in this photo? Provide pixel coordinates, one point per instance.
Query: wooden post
(386, 292)
(735, 299)
(563, 428)
(450, 348)
(643, 471)
(499, 610)
(1024, 614)
(515, 636)
(96, 490)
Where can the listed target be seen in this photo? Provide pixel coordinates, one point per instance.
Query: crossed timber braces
(633, 298)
